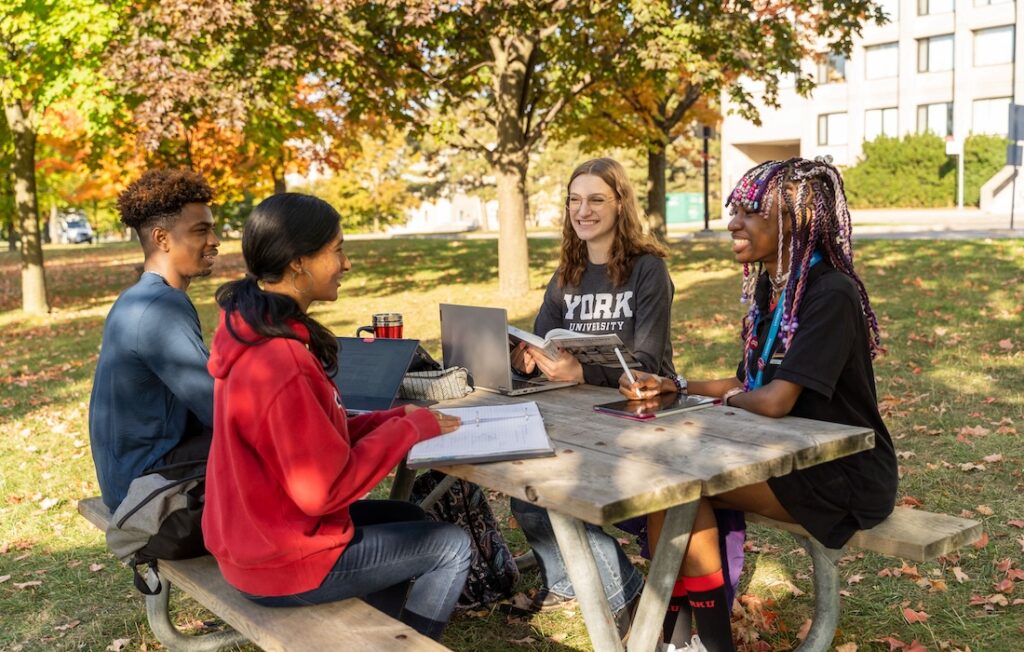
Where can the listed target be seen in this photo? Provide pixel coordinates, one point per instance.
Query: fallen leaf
(976, 600)
(912, 617)
(4, 578)
(804, 629)
(960, 575)
(526, 640)
(998, 599)
(854, 579)
(984, 509)
(992, 459)
(909, 570)
(1005, 586)
(974, 431)
(847, 647)
(938, 586)
(1004, 565)
(893, 643)
(1015, 574)
(916, 646)
(47, 503)
(1006, 345)
(118, 644)
(70, 625)
(93, 568)
(1015, 522)
(520, 601)
(983, 541)
(909, 501)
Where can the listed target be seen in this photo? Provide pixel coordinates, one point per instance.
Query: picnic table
(608, 469)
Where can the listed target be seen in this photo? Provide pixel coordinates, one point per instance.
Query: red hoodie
(286, 463)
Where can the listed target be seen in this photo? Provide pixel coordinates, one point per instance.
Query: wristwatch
(680, 383)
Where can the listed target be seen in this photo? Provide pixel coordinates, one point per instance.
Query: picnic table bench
(907, 534)
(351, 624)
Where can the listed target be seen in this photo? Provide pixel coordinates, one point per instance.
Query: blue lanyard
(773, 332)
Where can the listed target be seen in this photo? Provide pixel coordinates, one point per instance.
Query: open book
(489, 433)
(588, 348)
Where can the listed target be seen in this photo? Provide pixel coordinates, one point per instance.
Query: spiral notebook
(492, 433)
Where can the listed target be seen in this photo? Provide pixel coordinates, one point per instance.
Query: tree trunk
(513, 253)
(280, 185)
(33, 278)
(656, 205)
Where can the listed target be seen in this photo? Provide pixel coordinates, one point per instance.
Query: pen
(625, 367)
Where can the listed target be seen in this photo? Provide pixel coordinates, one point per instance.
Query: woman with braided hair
(808, 341)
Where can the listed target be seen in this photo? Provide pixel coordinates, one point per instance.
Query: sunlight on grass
(951, 386)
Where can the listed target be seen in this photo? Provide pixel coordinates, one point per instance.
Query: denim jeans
(622, 582)
(393, 545)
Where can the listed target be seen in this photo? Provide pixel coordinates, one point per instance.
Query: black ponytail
(280, 229)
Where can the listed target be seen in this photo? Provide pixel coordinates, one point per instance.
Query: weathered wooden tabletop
(609, 468)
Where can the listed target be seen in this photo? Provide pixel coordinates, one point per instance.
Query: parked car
(73, 228)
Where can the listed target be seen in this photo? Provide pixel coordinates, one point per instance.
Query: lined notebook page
(487, 434)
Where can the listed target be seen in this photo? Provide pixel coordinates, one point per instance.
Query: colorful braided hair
(811, 194)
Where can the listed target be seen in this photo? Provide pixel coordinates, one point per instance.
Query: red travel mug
(387, 325)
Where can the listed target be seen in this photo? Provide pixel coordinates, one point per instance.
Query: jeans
(622, 582)
(393, 545)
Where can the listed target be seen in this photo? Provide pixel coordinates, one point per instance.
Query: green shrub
(915, 172)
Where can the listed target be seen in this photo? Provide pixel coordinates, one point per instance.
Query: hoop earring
(296, 287)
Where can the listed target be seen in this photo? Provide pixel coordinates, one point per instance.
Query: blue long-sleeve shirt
(151, 389)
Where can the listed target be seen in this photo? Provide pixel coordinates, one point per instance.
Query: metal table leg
(401, 488)
(579, 562)
(165, 631)
(826, 595)
(668, 557)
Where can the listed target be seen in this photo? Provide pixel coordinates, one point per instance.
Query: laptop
(370, 371)
(477, 338)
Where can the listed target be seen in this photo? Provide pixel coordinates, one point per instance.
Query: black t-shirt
(830, 358)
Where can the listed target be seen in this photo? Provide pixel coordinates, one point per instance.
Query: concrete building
(946, 66)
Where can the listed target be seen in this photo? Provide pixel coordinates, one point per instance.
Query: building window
(881, 61)
(891, 9)
(832, 69)
(936, 118)
(927, 7)
(880, 122)
(832, 129)
(985, 3)
(991, 116)
(993, 46)
(935, 54)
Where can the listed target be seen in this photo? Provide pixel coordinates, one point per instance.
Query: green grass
(944, 307)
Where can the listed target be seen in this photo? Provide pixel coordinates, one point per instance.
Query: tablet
(658, 406)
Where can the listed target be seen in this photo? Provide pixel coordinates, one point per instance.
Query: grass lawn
(951, 388)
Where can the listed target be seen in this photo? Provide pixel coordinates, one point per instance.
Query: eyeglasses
(596, 202)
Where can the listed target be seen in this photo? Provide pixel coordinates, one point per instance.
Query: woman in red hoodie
(287, 468)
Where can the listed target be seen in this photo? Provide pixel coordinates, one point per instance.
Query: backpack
(160, 518)
(492, 572)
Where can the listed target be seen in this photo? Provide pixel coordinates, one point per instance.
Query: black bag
(492, 572)
(423, 361)
(160, 518)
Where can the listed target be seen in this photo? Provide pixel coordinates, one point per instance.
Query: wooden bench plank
(907, 533)
(351, 623)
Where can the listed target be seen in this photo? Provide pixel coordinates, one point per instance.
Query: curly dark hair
(158, 194)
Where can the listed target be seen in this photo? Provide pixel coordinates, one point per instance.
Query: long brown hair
(630, 240)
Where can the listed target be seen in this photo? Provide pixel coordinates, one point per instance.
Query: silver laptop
(477, 338)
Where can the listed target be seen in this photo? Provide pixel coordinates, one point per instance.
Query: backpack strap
(140, 581)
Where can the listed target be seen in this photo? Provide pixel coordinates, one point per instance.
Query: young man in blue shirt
(152, 396)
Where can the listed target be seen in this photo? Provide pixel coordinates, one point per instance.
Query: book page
(487, 433)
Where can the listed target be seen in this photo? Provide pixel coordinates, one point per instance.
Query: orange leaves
(913, 617)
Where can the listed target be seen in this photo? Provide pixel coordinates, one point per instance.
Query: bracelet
(732, 392)
(679, 382)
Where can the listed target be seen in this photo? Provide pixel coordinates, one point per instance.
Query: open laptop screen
(370, 371)
(476, 338)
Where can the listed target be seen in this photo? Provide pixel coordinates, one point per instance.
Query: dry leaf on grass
(526, 640)
(913, 617)
(854, 579)
(1015, 522)
(4, 578)
(93, 568)
(118, 644)
(26, 585)
(70, 625)
(984, 509)
(847, 647)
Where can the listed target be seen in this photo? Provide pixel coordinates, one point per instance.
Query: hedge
(915, 172)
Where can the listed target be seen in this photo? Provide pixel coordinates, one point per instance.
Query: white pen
(625, 367)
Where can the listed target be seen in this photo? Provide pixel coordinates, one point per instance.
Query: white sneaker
(693, 646)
